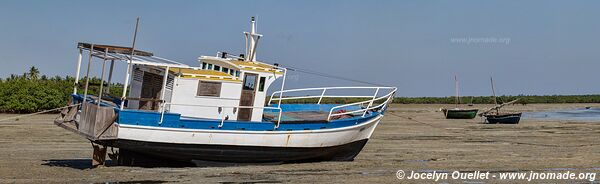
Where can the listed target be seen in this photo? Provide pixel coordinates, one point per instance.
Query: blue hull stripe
(172, 120)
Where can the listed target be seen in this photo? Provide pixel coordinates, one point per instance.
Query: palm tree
(33, 73)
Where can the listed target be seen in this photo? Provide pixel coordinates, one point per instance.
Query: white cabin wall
(185, 90)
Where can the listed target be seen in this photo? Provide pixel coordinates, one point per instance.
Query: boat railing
(279, 96)
(164, 105)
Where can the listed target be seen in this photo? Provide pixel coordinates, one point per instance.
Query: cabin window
(209, 66)
(250, 82)
(207, 88)
(226, 70)
(231, 72)
(261, 84)
(203, 65)
(237, 73)
(217, 68)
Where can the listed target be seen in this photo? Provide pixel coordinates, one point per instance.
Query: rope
(36, 113)
(497, 140)
(292, 68)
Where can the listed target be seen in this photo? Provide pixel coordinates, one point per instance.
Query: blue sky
(540, 47)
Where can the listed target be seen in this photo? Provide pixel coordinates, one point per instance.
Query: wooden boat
(511, 118)
(217, 111)
(493, 115)
(458, 113)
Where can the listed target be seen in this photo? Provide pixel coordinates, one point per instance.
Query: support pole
(110, 74)
(282, 85)
(78, 70)
(247, 54)
(102, 77)
(98, 156)
(164, 88)
(126, 84)
(254, 46)
(87, 75)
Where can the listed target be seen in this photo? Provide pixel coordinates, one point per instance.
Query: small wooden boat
(458, 113)
(511, 118)
(493, 115)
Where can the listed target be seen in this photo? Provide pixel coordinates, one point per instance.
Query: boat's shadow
(83, 163)
(80, 163)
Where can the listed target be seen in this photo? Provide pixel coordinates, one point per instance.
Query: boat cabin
(224, 87)
(232, 83)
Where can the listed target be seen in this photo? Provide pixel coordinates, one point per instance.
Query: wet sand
(410, 137)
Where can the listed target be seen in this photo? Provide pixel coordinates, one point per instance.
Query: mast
(494, 94)
(129, 64)
(456, 88)
(251, 41)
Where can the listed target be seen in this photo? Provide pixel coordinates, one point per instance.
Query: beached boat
(217, 111)
(510, 118)
(458, 113)
(493, 115)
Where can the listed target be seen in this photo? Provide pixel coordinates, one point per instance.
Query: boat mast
(129, 64)
(251, 41)
(494, 93)
(456, 88)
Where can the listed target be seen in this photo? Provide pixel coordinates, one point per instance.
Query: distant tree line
(32, 92)
(523, 99)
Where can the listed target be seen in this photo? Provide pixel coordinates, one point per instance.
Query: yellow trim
(211, 78)
(257, 66)
(189, 71)
(205, 74)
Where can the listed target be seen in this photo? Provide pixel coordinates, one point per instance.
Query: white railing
(162, 110)
(389, 96)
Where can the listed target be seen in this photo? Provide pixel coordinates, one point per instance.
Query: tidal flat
(411, 137)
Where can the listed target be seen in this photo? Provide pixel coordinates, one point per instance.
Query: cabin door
(151, 87)
(247, 98)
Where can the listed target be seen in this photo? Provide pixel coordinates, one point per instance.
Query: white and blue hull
(182, 144)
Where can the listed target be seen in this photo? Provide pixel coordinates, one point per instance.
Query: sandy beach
(410, 138)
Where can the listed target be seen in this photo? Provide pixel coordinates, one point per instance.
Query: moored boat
(509, 118)
(493, 115)
(217, 111)
(460, 113)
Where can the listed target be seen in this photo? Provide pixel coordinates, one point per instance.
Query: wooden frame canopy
(110, 52)
(113, 49)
